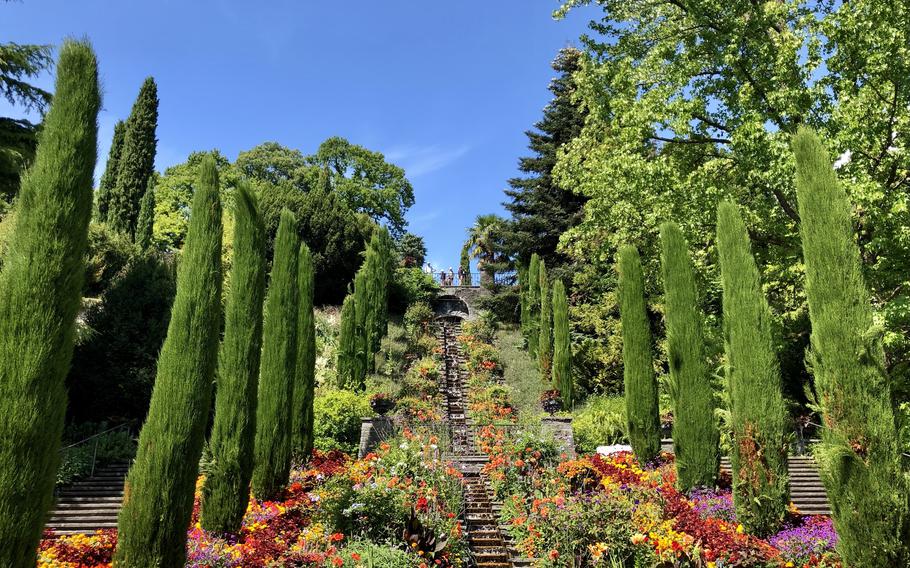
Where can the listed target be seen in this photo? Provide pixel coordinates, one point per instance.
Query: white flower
(843, 160)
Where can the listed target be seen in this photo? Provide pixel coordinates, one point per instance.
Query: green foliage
(641, 395)
(347, 344)
(146, 221)
(361, 321)
(523, 301)
(137, 161)
(158, 496)
(226, 492)
(562, 345)
(464, 266)
(485, 244)
(757, 409)
(860, 459)
(109, 178)
(695, 436)
(412, 250)
(601, 421)
(545, 337)
(305, 386)
(337, 415)
(417, 319)
(533, 331)
(41, 285)
(274, 422)
(113, 370)
(374, 555)
(107, 256)
(410, 286)
(117, 446)
(18, 140)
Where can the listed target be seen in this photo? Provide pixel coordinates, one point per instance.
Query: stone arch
(450, 306)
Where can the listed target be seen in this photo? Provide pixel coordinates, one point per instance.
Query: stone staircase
(90, 504)
(806, 489)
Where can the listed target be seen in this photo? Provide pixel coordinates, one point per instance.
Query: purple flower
(814, 537)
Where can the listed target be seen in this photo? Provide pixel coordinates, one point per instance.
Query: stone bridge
(461, 302)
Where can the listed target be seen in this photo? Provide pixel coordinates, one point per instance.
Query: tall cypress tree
(642, 406)
(158, 496)
(372, 268)
(347, 344)
(40, 287)
(137, 161)
(305, 387)
(109, 177)
(695, 435)
(274, 422)
(464, 264)
(146, 222)
(361, 345)
(562, 346)
(757, 409)
(860, 456)
(226, 492)
(545, 338)
(523, 298)
(533, 304)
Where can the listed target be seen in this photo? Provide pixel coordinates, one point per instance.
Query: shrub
(417, 319)
(860, 459)
(159, 488)
(695, 436)
(336, 419)
(601, 421)
(410, 286)
(40, 287)
(533, 330)
(374, 555)
(111, 447)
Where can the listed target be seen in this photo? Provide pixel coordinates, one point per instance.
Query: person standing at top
(451, 276)
(462, 276)
(442, 277)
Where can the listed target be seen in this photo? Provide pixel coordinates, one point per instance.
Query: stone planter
(373, 431)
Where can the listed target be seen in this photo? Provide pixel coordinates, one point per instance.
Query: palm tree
(485, 244)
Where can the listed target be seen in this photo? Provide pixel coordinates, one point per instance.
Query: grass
(521, 374)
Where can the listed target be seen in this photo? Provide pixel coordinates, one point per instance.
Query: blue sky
(443, 89)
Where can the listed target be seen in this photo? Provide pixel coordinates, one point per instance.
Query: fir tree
(642, 408)
(146, 221)
(533, 304)
(137, 161)
(226, 492)
(562, 346)
(757, 409)
(347, 344)
(40, 287)
(695, 435)
(860, 454)
(109, 177)
(545, 338)
(274, 422)
(304, 389)
(158, 496)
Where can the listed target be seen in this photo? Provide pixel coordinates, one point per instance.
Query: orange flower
(336, 537)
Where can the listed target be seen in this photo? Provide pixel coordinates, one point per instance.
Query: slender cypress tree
(347, 344)
(386, 270)
(533, 304)
(372, 268)
(226, 492)
(146, 221)
(695, 435)
(642, 407)
(304, 389)
(137, 161)
(109, 177)
(274, 422)
(545, 338)
(40, 287)
(757, 409)
(464, 264)
(361, 345)
(158, 496)
(523, 298)
(562, 346)
(860, 456)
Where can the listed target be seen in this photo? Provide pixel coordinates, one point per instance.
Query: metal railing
(97, 438)
(471, 279)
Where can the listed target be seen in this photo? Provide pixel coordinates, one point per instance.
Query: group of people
(447, 278)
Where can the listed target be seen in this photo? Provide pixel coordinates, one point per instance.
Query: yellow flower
(739, 529)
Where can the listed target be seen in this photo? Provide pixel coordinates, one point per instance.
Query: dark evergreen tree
(757, 410)
(361, 344)
(695, 434)
(464, 265)
(545, 337)
(347, 344)
(642, 406)
(541, 210)
(860, 455)
(137, 161)
(562, 346)
(533, 304)
(158, 496)
(412, 250)
(146, 222)
(274, 422)
(40, 287)
(226, 492)
(305, 387)
(109, 177)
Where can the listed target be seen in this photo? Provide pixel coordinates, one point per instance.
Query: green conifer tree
(347, 344)
(523, 299)
(109, 177)
(40, 287)
(465, 265)
(757, 409)
(146, 222)
(226, 492)
(642, 407)
(533, 304)
(545, 337)
(361, 345)
(137, 161)
(695, 435)
(304, 389)
(562, 346)
(158, 496)
(860, 455)
(274, 422)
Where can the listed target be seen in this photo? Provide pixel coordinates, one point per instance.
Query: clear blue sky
(443, 89)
